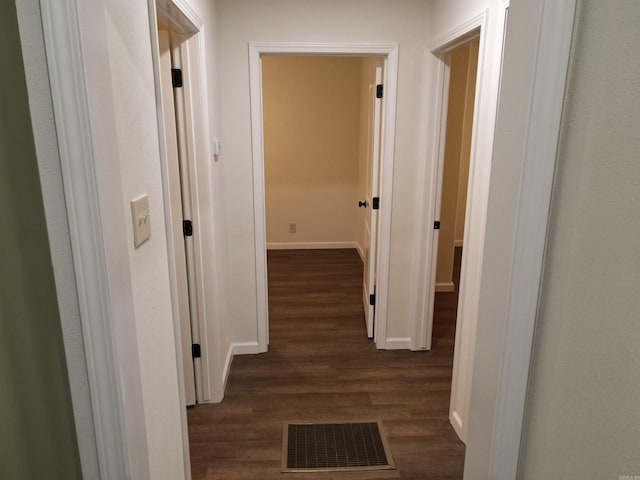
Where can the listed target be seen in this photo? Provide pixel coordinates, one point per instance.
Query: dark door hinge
(379, 90)
(176, 77)
(375, 203)
(187, 228)
(372, 299)
(196, 351)
(436, 225)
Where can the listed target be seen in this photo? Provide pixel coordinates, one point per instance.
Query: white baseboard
(311, 245)
(458, 243)
(360, 251)
(398, 343)
(227, 369)
(245, 348)
(456, 423)
(236, 348)
(445, 287)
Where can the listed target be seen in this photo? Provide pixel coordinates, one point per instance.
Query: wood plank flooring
(321, 368)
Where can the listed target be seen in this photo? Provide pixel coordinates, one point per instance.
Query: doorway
(453, 187)
(321, 118)
(179, 199)
(463, 69)
(455, 61)
(379, 255)
(183, 127)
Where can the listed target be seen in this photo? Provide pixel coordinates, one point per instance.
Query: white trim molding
(460, 35)
(398, 343)
(486, 95)
(445, 287)
(437, 73)
(245, 348)
(67, 74)
(390, 54)
(184, 19)
(237, 348)
(550, 57)
(311, 245)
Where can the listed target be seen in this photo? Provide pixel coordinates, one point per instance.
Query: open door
(453, 171)
(176, 201)
(372, 199)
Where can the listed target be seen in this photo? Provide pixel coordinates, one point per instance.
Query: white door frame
(441, 50)
(390, 53)
(183, 19)
(475, 217)
(554, 26)
(175, 216)
(70, 97)
(527, 139)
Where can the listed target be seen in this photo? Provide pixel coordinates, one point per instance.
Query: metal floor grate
(334, 446)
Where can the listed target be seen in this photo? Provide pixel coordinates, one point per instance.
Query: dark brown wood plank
(321, 368)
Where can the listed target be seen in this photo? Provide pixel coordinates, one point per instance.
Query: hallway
(321, 368)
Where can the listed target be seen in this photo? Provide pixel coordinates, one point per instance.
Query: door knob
(363, 204)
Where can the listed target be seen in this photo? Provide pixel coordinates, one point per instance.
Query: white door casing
(389, 52)
(175, 213)
(185, 159)
(487, 86)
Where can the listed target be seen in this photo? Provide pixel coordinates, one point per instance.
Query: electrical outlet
(292, 228)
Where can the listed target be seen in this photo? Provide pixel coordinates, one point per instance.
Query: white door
(370, 202)
(176, 213)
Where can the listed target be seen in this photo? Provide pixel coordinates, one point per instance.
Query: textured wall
(134, 107)
(582, 417)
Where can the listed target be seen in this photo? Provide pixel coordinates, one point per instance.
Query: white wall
(311, 111)
(355, 21)
(129, 51)
(582, 416)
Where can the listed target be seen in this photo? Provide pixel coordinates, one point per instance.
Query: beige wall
(462, 83)
(582, 417)
(467, 130)
(311, 109)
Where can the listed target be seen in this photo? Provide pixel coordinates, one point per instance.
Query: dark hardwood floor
(321, 368)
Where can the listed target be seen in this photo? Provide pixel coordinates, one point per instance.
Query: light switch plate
(141, 219)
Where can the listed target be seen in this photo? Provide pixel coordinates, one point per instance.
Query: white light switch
(141, 220)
